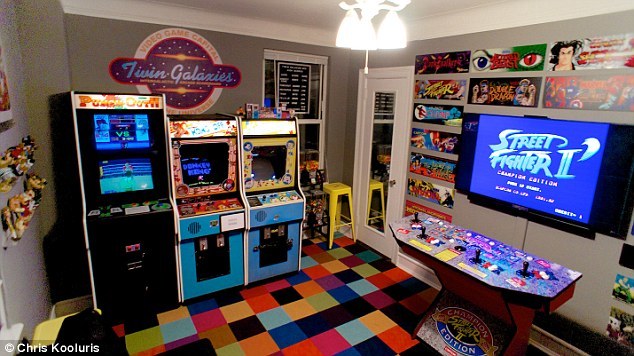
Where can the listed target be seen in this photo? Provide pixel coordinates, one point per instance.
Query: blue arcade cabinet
(275, 209)
(206, 188)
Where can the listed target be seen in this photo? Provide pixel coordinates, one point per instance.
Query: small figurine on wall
(18, 213)
(15, 162)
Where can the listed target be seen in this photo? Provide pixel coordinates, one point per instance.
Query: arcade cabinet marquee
(121, 148)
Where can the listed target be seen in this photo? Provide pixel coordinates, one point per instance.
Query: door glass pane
(382, 129)
(309, 144)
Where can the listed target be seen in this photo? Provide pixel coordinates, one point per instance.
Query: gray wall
(90, 54)
(33, 46)
(596, 259)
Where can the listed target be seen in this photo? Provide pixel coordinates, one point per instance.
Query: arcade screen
(204, 164)
(269, 162)
(125, 175)
(548, 165)
(576, 176)
(121, 131)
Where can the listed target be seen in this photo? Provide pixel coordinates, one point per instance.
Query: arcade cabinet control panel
(204, 205)
(129, 209)
(270, 199)
(493, 262)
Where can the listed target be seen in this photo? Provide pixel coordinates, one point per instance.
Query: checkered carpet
(348, 300)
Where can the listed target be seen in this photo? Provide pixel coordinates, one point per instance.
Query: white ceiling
(316, 21)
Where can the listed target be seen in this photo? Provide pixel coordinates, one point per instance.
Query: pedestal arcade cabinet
(275, 208)
(121, 148)
(490, 291)
(205, 175)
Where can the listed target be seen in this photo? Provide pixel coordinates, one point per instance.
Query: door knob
(392, 183)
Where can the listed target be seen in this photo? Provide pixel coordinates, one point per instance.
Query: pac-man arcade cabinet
(121, 146)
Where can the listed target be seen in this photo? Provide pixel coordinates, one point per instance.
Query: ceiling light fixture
(358, 33)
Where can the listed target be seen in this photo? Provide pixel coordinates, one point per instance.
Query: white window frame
(302, 58)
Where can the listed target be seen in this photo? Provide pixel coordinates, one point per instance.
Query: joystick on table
(525, 269)
(477, 256)
(415, 220)
(422, 233)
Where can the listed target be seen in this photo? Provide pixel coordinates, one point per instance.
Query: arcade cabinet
(275, 208)
(490, 291)
(121, 149)
(211, 220)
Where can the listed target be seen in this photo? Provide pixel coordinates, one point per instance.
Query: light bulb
(365, 37)
(348, 29)
(392, 33)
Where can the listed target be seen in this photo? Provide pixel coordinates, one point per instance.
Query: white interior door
(382, 136)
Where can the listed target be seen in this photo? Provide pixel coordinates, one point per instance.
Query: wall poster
(515, 91)
(610, 93)
(5, 101)
(623, 289)
(432, 167)
(433, 193)
(513, 59)
(440, 89)
(293, 86)
(435, 140)
(412, 207)
(449, 115)
(607, 52)
(620, 327)
(181, 64)
(436, 63)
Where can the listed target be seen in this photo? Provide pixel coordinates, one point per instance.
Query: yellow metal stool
(45, 333)
(375, 186)
(336, 191)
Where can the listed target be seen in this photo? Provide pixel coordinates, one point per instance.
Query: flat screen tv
(572, 175)
(121, 131)
(203, 167)
(125, 175)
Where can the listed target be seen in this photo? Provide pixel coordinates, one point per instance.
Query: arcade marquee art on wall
(607, 52)
(437, 63)
(448, 89)
(181, 64)
(513, 59)
(603, 92)
(515, 91)
(449, 115)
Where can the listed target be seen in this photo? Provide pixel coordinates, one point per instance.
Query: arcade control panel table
(490, 290)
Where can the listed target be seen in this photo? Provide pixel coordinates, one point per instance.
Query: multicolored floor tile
(348, 300)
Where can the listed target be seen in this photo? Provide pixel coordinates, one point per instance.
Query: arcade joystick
(477, 256)
(415, 220)
(525, 269)
(422, 233)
